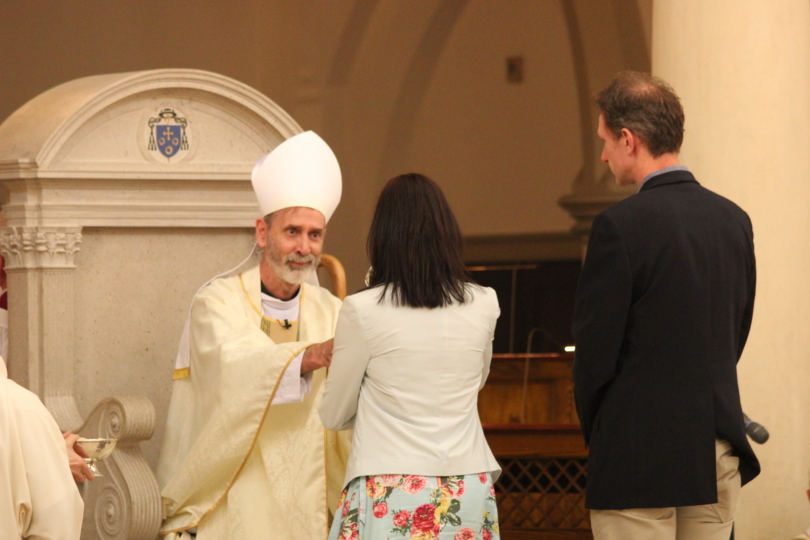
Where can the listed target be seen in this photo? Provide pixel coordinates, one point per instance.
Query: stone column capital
(40, 247)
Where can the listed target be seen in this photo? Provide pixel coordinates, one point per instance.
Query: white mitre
(301, 171)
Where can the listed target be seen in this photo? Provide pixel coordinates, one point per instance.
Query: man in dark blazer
(663, 310)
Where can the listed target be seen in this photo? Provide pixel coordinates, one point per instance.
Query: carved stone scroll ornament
(40, 247)
(125, 503)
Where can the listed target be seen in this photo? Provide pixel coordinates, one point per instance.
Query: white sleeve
(341, 393)
(56, 506)
(293, 387)
(487, 363)
(490, 344)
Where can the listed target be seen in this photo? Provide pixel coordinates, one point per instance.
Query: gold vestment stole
(278, 331)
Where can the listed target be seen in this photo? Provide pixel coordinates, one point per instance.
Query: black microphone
(756, 431)
(286, 325)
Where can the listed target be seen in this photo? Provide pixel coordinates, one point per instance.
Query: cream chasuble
(38, 497)
(231, 464)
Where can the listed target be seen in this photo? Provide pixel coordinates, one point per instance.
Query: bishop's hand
(317, 356)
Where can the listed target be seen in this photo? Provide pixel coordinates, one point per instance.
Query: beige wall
(495, 146)
(393, 86)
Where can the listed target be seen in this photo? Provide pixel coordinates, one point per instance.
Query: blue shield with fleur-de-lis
(168, 139)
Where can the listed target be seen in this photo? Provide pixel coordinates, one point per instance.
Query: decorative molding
(62, 406)
(40, 247)
(79, 154)
(18, 168)
(41, 128)
(125, 503)
(131, 203)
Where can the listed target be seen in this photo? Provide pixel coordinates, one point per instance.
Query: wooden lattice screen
(527, 408)
(542, 494)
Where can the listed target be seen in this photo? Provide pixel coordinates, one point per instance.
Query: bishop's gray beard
(281, 266)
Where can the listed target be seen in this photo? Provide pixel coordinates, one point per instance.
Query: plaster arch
(94, 131)
(41, 130)
(349, 224)
(603, 38)
(362, 83)
(380, 75)
(350, 40)
(590, 27)
(415, 84)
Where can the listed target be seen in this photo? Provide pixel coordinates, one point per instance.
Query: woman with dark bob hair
(411, 353)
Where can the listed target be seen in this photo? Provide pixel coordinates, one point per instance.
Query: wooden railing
(527, 409)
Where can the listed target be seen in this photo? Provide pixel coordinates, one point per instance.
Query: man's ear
(630, 141)
(261, 232)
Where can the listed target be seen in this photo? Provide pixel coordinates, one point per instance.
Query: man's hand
(317, 356)
(76, 454)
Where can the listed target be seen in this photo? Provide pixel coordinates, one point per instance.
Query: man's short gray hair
(645, 105)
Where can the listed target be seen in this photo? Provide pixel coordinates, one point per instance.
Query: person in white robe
(244, 454)
(38, 497)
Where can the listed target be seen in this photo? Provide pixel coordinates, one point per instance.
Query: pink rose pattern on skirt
(395, 506)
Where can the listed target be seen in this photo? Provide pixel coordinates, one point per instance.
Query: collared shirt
(662, 171)
(281, 309)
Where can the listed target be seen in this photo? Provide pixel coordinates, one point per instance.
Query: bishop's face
(293, 242)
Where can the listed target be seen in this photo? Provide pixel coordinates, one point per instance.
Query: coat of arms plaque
(168, 134)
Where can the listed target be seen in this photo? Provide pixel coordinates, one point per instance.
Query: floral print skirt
(396, 506)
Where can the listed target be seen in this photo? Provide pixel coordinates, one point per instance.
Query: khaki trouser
(705, 522)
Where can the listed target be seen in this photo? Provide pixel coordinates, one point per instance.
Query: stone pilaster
(742, 70)
(40, 266)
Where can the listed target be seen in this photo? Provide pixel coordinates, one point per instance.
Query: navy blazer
(663, 310)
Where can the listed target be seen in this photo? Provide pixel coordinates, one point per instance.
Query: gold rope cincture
(267, 322)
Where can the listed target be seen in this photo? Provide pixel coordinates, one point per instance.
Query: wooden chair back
(337, 275)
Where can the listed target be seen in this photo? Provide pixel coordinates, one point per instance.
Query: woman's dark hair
(415, 245)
